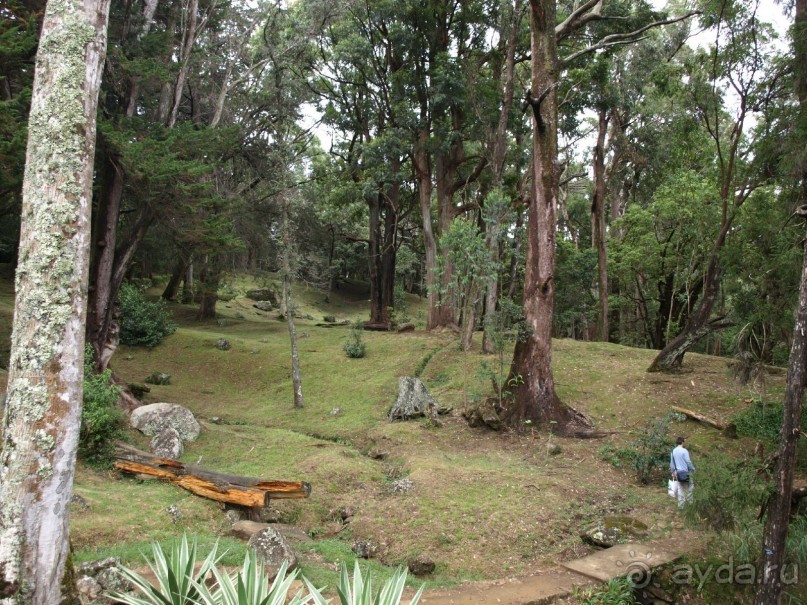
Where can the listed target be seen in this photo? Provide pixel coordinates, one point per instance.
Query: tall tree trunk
(779, 503)
(382, 251)
(422, 163)
(699, 324)
(598, 226)
(492, 230)
(102, 329)
(296, 375)
(172, 287)
(209, 286)
(45, 381)
(534, 400)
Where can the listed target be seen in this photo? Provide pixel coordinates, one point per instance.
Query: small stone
(159, 378)
(79, 502)
(233, 515)
(174, 512)
(329, 319)
(346, 513)
(138, 389)
(336, 412)
(167, 444)
(88, 588)
(263, 306)
(272, 547)
(421, 565)
(402, 486)
(553, 449)
(364, 549)
(223, 344)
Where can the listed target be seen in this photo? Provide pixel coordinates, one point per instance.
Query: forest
(491, 195)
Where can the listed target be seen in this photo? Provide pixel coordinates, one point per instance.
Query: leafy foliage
(355, 345)
(102, 423)
(618, 591)
(143, 322)
(728, 494)
(648, 454)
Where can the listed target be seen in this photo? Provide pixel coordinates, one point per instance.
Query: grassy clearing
(482, 506)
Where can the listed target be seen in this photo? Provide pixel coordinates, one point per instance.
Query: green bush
(143, 322)
(727, 495)
(354, 347)
(648, 454)
(101, 421)
(614, 592)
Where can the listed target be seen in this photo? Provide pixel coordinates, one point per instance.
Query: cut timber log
(234, 489)
(728, 429)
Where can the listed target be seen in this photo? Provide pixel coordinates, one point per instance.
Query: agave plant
(174, 570)
(249, 586)
(360, 591)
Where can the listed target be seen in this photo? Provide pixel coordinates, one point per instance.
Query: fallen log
(222, 487)
(729, 429)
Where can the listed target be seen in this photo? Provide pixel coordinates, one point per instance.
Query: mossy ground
(484, 505)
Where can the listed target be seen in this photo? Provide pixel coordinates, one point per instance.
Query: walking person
(681, 468)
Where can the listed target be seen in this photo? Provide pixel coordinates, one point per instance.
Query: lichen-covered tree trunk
(45, 381)
(296, 375)
(533, 399)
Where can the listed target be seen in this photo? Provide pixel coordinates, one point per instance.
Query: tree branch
(626, 38)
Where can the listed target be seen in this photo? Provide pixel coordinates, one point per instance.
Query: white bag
(672, 488)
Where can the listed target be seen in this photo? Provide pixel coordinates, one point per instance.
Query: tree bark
(780, 502)
(45, 381)
(296, 375)
(598, 226)
(499, 145)
(533, 399)
(209, 282)
(422, 163)
(172, 287)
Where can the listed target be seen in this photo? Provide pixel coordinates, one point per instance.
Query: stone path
(545, 587)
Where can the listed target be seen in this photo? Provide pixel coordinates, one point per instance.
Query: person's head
(680, 441)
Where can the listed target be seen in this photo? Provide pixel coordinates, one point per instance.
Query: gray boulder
(153, 419)
(264, 295)
(263, 305)
(222, 344)
(614, 529)
(272, 547)
(158, 378)
(414, 401)
(365, 549)
(167, 444)
(421, 565)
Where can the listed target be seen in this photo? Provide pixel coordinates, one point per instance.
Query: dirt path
(634, 560)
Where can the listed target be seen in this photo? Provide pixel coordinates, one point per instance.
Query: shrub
(727, 494)
(614, 592)
(360, 590)
(354, 347)
(143, 322)
(648, 454)
(101, 421)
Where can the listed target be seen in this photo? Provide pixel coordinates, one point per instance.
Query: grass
(484, 505)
